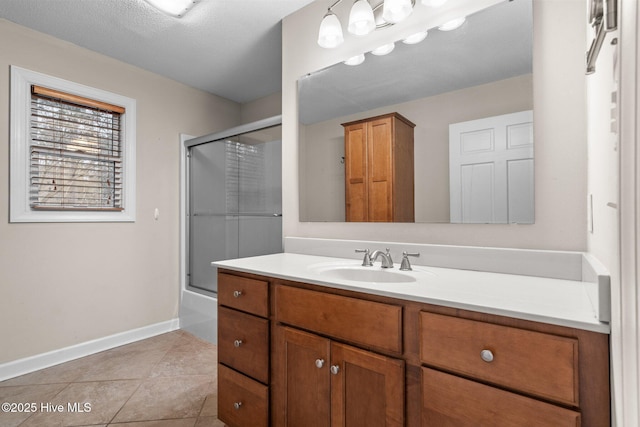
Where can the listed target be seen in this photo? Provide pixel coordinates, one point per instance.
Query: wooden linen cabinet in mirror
(379, 169)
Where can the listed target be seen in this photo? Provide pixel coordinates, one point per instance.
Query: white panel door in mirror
(491, 170)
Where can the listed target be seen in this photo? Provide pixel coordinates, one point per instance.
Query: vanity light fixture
(415, 38)
(355, 60)
(384, 49)
(361, 19)
(454, 24)
(177, 8)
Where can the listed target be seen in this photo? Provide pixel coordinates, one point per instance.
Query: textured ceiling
(231, 48)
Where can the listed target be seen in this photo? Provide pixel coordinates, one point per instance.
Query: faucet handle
(366, 261)
(406, 265)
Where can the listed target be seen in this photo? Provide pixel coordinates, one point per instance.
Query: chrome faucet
(366, 261)
(405, 265)
(387, 262)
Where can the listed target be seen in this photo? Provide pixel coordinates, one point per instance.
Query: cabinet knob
(237, 343)
(335, 369)
(237, 294)
(486, 355)
(319, 363)
(237, 405)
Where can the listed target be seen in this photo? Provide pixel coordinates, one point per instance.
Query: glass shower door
(235, 202)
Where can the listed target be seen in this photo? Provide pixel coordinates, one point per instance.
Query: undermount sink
(358, 273)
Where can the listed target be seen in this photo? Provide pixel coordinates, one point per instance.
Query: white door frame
(628, 340)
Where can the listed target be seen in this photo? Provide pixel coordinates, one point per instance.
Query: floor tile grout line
(53, 397)
(178, 343)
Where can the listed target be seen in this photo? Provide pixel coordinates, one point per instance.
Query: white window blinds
(75, 152)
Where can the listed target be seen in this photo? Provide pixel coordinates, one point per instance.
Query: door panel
(306, 386)
(356, 173)
(368, 389)
(503, 145)
(379, 133)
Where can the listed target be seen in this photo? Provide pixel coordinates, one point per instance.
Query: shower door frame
(187, 142)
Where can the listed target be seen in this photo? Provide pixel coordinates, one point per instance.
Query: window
(72, 151)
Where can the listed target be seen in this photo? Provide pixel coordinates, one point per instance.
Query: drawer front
(541, 364)
(364, 322)
(243, 402)
(243, 343)
(244, 294)
(448, 400)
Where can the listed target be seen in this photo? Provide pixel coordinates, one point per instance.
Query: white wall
(64, 284)
(559, 117)
(261, 108)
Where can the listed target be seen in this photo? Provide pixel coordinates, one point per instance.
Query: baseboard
(40, 361)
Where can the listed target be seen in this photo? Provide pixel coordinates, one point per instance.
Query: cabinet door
(304, 389)
(367, 389)
(380, 172)
(355, 151)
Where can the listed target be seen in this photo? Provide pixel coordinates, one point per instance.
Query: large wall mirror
(469, 93)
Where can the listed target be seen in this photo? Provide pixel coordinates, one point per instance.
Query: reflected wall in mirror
(480, 71)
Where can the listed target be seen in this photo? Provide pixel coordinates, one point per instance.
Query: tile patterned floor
(166, 381)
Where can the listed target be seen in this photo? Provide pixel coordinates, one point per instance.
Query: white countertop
(555, 301)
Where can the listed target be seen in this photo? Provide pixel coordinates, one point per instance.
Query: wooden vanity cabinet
(243, 350)
(319, 381)
(405, 363)
(379, 169)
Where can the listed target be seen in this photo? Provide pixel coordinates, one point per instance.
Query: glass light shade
(355, 60)
(454, 24)
(433, 3)
(361, 20)
(173, 7)
(384, 49)
(330, 34)
(415, 38)
(394, 11)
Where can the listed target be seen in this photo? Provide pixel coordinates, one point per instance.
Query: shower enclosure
(234, 198)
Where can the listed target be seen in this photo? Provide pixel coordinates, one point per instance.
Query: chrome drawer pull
(237, 405)
(319, 363)
(237, 294)
(335, 369)
(486, 355)
(237, 343)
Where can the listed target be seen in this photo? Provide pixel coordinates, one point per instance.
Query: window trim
(20, 210)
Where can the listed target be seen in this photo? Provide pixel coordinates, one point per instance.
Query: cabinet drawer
(242, 402)
(364, 322)
(448, 400)
(243, 343)
(537, 363)
(244, 294)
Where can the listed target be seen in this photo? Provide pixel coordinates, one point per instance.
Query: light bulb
(330, 34)
(355, 60)
(394, 11)
(384, 49)
(361, 20)
(415, 38)
(453, 24)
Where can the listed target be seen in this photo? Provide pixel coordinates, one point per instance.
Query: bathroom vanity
(318, 341)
